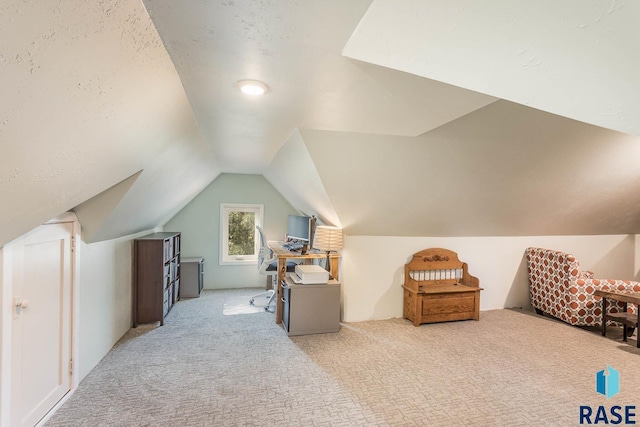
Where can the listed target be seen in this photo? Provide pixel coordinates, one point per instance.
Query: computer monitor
(301, 228)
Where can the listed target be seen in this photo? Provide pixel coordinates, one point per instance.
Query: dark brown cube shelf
(156, 276)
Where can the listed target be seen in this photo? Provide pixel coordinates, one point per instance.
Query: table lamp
(327, 238)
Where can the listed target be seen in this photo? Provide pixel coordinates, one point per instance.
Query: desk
(285, 254)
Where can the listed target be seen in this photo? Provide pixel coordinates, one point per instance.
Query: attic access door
(41, 322)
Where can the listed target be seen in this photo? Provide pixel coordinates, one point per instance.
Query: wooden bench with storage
(438, 288)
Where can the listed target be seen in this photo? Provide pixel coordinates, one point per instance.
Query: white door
(41, 326)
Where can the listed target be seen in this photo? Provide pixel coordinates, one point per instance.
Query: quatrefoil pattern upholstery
(560, 288)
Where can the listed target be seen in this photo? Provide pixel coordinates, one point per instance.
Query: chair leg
(271, 298)
(268, 294)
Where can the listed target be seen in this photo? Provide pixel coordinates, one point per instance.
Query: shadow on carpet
(240, 305)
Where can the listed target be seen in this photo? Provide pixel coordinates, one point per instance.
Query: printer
(312, 274)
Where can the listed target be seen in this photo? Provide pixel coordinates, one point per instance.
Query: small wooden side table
(627, 319)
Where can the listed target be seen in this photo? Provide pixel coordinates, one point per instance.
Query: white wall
(373, 267)
(199, 223)
(105, 298)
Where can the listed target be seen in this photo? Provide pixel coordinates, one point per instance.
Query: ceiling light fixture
(253, 87)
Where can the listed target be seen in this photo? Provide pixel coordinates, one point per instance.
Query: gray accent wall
(199, 223)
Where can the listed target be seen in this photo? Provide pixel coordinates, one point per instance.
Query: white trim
(75, 304)
(6, 263)
(57, 406)
(225, 208)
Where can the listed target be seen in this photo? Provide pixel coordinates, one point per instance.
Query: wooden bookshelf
(156, 276)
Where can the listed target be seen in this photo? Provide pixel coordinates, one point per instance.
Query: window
(239, 241)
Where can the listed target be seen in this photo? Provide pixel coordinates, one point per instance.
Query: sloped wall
(151, 197)
(574, 58)
(89, 97)
(503, 170)
(293, 173)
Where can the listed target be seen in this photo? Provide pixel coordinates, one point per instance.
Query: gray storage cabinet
(192, 277)
(310, 309)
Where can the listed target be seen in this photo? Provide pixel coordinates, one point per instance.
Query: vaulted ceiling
(389, 117)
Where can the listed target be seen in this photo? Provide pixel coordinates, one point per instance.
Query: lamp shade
(327, 238)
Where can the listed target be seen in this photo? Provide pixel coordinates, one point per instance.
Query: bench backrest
(436, 266)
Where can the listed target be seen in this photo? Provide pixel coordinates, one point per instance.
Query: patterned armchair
(560, 288)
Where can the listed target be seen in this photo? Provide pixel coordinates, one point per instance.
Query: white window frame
(225, 210)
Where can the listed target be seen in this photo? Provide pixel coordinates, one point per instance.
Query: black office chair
(268, 265)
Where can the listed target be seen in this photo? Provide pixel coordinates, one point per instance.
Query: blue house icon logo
(608, 384)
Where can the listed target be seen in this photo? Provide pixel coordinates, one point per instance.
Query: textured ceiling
(405, 117)
(295, 48)
(573, 58)
(90, 97)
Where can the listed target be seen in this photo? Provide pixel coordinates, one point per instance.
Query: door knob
(22, 303)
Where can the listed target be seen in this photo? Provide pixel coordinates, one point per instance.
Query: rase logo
(608, 384)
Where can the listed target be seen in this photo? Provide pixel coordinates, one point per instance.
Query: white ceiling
(295, 48)
(375, 92)
(574, 58)
(125, 111)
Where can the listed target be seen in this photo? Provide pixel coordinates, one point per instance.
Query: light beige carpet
(206, 369)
